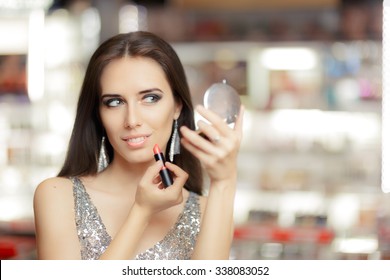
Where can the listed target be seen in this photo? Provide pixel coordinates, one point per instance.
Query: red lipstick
(164, 172)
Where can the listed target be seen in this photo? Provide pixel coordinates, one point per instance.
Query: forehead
(136, 71)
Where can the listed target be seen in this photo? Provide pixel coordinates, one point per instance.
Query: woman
(134, 96)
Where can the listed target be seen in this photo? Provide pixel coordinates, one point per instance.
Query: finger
(214, 119)
(198, 153)
(180, 175)
(175, 191)
(157, 180)
(238, 126)
(155, 168)
(152, 174)
(206, 159)
(198, 142)
(208, 131)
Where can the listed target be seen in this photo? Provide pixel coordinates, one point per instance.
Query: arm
(124, 245)
(216, 232)
(55, 229)
(149, 200)
(54, 216)
(219, 159)
(54, 222)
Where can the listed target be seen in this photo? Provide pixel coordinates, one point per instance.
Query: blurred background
(308, 72)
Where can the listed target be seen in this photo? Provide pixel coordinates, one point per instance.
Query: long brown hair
(84, 145)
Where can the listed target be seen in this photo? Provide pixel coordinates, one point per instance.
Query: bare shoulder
(54, 220)
(54, 183)
(55, 188)
(54, 191)
(55, 194)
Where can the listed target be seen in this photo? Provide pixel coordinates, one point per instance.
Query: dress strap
(180, 241)
(91, 231)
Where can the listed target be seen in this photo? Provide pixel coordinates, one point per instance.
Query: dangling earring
(103, 157)
(174, 149)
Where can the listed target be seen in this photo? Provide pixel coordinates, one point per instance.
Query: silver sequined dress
(178, 244)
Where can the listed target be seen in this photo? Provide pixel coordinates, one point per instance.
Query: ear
(178, 107)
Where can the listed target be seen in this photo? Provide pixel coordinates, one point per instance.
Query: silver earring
(103, 157)
(174, 149)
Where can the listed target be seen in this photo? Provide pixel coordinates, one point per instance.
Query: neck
(126, 174)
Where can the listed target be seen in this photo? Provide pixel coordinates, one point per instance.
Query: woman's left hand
(218, 153)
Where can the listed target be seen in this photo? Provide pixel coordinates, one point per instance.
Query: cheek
(161, 123)
(111, 121)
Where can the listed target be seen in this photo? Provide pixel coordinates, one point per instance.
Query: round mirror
(223, 100)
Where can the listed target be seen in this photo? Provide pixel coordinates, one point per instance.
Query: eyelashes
(115, 101)
(112, 102)
(151, 98)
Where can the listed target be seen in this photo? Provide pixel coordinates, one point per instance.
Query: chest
(171, 234)
(114, 209)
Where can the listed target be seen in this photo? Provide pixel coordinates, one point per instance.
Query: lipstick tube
(165, 174)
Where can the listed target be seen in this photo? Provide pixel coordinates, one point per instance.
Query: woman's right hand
(152, 197)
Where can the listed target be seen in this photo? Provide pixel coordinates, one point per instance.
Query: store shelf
(266, 233)
(311, 143)
(17, 247)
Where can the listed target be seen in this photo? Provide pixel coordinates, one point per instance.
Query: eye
(112, 102)
(151, 98)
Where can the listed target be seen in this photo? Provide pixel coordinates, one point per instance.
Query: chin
(140, 159)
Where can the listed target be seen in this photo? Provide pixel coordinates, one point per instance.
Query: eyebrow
(141, 92)
(105, 95)
(150, 90)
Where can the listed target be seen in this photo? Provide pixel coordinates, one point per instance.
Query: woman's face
(137, 108)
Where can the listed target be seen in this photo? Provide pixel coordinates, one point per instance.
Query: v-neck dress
(94, 239)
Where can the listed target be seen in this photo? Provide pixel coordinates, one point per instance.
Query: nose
(132, 118)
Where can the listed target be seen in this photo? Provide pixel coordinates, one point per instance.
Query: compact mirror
(223, 100)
